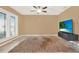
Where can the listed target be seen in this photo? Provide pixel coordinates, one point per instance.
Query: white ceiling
(51, 10)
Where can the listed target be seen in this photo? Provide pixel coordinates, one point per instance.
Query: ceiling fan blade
(35, 7)
(44, 11)
(39, 7)
(45, 7)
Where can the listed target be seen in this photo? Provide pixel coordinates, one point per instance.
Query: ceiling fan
(39, 9)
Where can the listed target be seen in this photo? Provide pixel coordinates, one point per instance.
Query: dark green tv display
(66, 26)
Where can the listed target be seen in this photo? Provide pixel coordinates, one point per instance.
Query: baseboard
(40, 35)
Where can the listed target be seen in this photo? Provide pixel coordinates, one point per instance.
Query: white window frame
(8, 14)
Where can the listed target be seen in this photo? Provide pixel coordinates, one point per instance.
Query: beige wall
(40, 24)
(35, 24)
(45, 24)
(73, 13)
(20, 25)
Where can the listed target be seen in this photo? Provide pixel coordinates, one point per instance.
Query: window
(2, 25)
(8, 24)
(12, 25)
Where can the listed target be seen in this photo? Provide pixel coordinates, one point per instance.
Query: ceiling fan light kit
(39, 9)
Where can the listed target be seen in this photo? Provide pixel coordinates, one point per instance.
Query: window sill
(6, 40)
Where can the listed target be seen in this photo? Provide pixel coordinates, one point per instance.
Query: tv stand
(68, 36)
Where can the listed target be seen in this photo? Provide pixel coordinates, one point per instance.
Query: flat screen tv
(66, 26)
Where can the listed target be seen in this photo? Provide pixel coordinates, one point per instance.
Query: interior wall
(45, 24)
(20, 22)
(35, 24)
(73, 13)
(40, 24)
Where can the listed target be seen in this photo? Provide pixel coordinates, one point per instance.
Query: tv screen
(66, 26)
